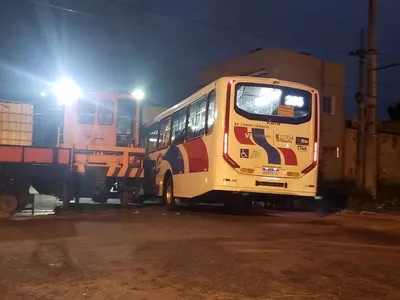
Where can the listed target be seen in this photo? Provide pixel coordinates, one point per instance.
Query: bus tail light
(226, 156)
(315, 152)
(315, 160)
(316, 134)
(226, 143)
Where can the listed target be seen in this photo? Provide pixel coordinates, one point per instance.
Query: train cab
(100, 120)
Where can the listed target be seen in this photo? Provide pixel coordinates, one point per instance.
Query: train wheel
(8, 203)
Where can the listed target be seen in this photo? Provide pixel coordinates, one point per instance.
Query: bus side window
(197, 119)
(86, 111)
(106, 112)
(211, 112)
(152, 138)
(178, 126)
(165, 131)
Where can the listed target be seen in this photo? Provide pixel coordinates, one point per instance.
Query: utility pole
(359, 97)
(371, 147)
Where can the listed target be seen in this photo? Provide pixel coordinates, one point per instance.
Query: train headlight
(66, 91)
(138, 94)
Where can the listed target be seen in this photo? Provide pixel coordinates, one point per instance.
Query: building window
(178, 126)
(197, 119)
(211, 112)
(165, 131)
(152, 138)
(106, 112)
(328, 105)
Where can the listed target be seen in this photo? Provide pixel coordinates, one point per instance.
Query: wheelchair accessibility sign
(244, 153)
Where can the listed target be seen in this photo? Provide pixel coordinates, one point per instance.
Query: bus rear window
(273, 103)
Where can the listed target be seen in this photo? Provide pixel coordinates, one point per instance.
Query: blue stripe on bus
(273, 154)
(175, 159)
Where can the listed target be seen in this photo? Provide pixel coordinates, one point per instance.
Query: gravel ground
(150, 254)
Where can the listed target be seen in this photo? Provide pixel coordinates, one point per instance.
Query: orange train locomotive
(97, 149)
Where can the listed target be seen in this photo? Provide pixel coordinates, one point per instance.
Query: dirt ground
(150, 254)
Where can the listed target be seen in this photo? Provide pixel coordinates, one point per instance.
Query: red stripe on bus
(242, 135)
(290, 156)
(197, 155)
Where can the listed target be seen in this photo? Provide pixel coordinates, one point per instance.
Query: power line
(69, 10)
(190, 20)
(388, 66)
(182, 18)
(207, 24)
(170, 15)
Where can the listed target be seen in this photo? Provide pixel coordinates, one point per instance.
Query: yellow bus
(243, 136)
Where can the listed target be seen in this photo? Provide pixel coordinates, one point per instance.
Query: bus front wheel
(169, 198)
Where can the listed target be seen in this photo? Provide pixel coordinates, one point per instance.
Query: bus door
(272, 130)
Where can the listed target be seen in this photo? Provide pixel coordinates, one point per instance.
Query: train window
(86, 111)
(124, 124)
(106, 112)
(165, 132)
(152, 138)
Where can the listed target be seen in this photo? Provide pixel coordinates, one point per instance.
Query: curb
(369, 215)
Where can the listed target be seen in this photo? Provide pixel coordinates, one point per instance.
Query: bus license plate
(270, 171)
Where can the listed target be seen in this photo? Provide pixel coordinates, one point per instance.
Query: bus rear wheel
(169, 198)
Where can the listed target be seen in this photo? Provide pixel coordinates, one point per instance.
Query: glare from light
(267, 96)
(294, 101)
(43, 94)
(138, 94)
(66, 91)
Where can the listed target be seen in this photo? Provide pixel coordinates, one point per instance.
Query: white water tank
(16, 123)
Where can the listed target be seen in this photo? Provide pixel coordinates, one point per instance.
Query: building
(328, 77)
(388, 151)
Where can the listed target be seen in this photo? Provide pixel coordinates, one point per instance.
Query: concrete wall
(327, 77)
(389, 156)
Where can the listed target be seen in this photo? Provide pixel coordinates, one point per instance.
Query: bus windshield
(273, 103)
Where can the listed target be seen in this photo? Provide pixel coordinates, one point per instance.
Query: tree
(394, 112)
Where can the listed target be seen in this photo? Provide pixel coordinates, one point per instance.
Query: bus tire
(169, 199)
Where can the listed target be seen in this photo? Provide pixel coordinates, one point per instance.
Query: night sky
(161, 45)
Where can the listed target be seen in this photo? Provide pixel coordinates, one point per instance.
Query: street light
(138, 94)
(66, 91)
(43, 94)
